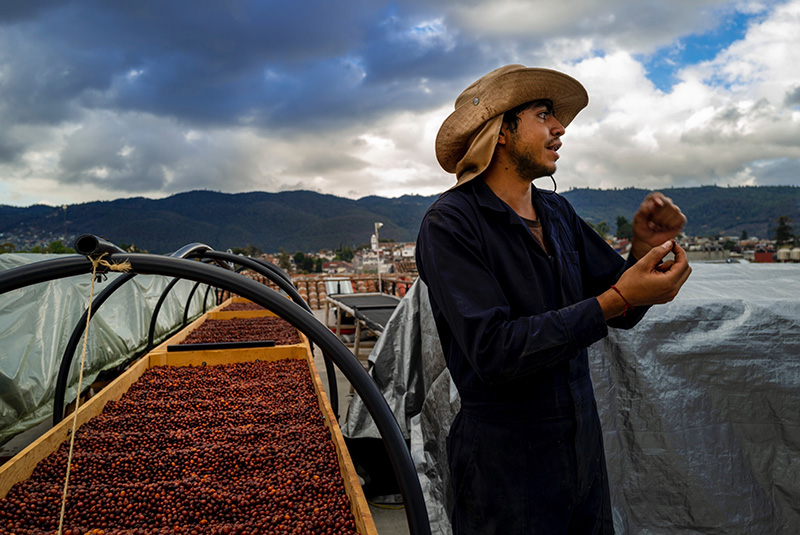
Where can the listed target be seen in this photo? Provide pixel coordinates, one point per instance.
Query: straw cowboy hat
(467, 138)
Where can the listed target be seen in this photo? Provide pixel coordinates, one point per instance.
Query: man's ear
(501, 137)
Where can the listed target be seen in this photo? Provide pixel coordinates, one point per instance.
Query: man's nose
(556, 128)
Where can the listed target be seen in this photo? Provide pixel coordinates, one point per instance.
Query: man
(519, 287)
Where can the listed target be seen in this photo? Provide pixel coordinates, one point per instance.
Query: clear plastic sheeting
(700, 405)
(36, 323)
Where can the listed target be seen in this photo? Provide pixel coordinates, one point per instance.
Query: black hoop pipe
(94, 246)
(364, 385)
(205, 298)
(59, 401)
(284, 283)
(188, 303)
(151, 333)
(272, 267)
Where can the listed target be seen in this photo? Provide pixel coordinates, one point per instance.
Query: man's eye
(543, 114)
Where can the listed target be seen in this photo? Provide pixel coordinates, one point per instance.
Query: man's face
(532, 147)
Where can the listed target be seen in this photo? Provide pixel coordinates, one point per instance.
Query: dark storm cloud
(143, 153)
(269, 64)
(776, 172)
(16, 10)
(327, 162)
(99, 154)
(151, 97)
(793, 97)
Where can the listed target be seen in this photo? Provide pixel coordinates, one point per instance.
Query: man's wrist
(639, 249)
(612, 303)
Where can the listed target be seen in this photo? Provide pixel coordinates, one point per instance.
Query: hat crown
(479, 87)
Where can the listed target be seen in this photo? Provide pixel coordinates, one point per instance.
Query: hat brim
(501, 94)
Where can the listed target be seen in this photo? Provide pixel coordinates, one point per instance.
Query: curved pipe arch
(272, 267)
(205, 299)
(189, 302)
(151, 333)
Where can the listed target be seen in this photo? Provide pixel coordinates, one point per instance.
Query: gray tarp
(700, 405)
(36, 323)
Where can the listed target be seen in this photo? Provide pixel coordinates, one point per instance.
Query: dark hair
(511, 117)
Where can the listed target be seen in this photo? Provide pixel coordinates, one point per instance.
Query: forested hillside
(309, 221)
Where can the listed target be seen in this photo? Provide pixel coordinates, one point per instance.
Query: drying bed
(239, 306)
(244, 330)
(220, 442)
(239, 448)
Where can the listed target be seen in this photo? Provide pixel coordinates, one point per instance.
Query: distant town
(397, 259)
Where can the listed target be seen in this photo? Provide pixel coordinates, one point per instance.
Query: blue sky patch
(663, 65)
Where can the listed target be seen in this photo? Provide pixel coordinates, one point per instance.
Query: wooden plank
(227, 356)
(220, 313)
(21, 466)
(358, 501)
(230, 314)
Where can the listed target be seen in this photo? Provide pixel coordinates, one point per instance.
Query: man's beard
(527, 167)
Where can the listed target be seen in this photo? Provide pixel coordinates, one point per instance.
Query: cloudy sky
(103, 100)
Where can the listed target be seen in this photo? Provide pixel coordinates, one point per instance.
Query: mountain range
(309, 221)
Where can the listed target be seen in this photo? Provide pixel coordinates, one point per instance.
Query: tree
(602, 228)
(248, 250)
(131, 248)
(253, 251)
(283, 260)
(344, 254)
(624, 228)
(7, 247)
(303, 263)
(783, 232)
(744, 235)
(58, 247)
(318, 266)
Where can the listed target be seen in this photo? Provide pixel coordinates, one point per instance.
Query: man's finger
(680, 253)
(656, 254)
(665, 266)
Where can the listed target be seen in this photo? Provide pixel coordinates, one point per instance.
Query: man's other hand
(657, 220)
(648, 282)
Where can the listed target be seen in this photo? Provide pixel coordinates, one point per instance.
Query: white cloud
(634, 25)
(392, 157)
(724, 122)
(765, 63)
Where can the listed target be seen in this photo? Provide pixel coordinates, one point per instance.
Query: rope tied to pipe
(99, 267)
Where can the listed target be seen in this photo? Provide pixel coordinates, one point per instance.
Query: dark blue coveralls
(525, 451)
